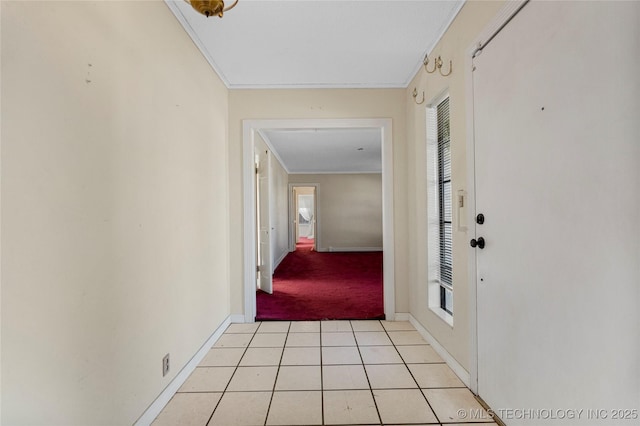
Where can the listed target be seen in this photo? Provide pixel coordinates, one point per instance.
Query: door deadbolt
(480, 219)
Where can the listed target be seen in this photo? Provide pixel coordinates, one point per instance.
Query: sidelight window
(440, 208)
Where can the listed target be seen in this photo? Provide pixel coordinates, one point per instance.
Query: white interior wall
(114, 208)
(280, 212)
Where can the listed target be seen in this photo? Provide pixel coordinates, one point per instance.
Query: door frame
(249, 129)
(502, 18)
(293, 223)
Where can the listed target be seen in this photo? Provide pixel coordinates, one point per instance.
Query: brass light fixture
(210, 7)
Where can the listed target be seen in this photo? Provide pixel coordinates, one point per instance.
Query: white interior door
(557, 178)
(265, 273)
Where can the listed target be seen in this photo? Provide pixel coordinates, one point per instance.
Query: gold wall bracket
(437, 65)
(415, 96)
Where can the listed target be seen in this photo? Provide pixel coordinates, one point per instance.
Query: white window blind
(439, 209)
(445, 208)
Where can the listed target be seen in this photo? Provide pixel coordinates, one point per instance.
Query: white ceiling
(318, 43)
(327, 150)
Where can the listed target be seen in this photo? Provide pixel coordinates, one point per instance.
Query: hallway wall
(472, 19)
(317, 104)
(114, 208)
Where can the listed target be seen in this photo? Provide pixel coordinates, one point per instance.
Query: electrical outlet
(165, 365)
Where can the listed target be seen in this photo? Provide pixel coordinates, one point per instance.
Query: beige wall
(114, 208)
(324, 103)
(349, 209)
(473, 17)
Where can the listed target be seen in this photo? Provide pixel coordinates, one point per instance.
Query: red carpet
(308, 285)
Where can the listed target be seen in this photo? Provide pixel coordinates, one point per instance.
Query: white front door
(557, 178)
(265, 274)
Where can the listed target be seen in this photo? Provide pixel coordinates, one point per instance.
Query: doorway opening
(303, 215)
(340, 278)
(251, 130)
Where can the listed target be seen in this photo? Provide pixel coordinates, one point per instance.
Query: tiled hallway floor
(321, 373)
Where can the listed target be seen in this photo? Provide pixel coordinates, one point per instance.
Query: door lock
(477, 243)
(480, 219)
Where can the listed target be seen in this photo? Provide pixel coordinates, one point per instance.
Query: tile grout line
(273, 390)
(412, 376)
(359, 347)
(321, 375)
(422, 390)
(366, 374)
(234, 372)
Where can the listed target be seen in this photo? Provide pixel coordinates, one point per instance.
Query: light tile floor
(322, 373)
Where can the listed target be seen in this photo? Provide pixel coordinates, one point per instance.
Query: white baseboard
(450, 360)
(401, 316)
(165, 396)
(280, 259)
(356, 249)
